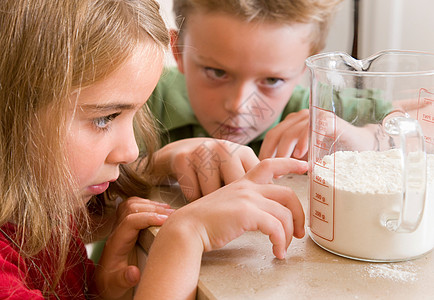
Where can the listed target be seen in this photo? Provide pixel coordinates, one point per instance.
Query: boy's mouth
(229, 130)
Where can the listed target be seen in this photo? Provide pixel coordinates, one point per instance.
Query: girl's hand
(290, 138)
(248, 204)
(114, 276)
(202, 165)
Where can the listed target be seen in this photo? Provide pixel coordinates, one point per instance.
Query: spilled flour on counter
(393, 272)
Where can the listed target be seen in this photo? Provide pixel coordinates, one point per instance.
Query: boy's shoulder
(171, 76)
(299, 100)
(171, 84)
(169, 101)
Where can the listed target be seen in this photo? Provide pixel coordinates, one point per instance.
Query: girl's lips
(98, 188)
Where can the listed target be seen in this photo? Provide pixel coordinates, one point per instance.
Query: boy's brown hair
(315, 12)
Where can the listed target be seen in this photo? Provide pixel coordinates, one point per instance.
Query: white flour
(367, 191)
(395, 272)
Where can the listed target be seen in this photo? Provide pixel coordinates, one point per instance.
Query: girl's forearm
(173, 265)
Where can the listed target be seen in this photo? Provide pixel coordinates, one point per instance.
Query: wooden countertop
(247, 269)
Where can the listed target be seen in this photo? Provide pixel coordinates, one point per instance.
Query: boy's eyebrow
(211, 60)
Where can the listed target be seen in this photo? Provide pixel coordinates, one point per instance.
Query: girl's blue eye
(215, 73)
(104, 122)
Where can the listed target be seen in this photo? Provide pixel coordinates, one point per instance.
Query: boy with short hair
(239, 63)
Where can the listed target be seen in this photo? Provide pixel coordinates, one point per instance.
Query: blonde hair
(315, 12)
(48, 49)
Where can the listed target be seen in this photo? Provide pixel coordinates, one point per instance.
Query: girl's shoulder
(13, 268)
(8, 233)
(25, 278)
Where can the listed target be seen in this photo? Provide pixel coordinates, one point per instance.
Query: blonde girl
(74, 76)
(52, 52)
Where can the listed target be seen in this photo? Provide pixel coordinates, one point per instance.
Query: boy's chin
(236, 138)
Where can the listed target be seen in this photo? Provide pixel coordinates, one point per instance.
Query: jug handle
(414, 172)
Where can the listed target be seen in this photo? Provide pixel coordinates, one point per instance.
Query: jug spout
(387, 62)
(360, 65)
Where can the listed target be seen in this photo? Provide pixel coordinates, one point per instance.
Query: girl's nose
(125, 149)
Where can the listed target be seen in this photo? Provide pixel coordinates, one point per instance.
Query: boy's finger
(249, 161)
(209, 178)
(286, 147)
(302, 146)
(188, 181)
(267, 169)
(232, 170)
(268, 147)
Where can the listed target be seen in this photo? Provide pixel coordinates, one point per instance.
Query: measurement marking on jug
(320, 144)
(425, 114)
(428, 101)
(321, 126)
(427, 118)
(429, 140)
(319, 198)
(320, 163)
(320, 216)
(321, 181)
(322, 141)
(324, 135)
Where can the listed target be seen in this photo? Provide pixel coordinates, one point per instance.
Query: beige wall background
(397, 24)
(384, 24)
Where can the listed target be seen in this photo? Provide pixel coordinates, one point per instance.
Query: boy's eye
(272, 81)
(103, 122)
(215, 73)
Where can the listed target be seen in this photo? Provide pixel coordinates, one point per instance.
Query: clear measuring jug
(371, 154)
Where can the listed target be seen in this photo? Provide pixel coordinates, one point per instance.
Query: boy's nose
(125, 148)
(237, 99)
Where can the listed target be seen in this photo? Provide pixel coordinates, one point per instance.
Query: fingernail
(162, 217)
(169, 210)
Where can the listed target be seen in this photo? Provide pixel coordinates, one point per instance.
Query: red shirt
(24, 278)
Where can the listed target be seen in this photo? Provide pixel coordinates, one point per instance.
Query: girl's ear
(176, 49)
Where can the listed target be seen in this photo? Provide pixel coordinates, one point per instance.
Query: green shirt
(171, 107)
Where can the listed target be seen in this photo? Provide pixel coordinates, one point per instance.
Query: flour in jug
(368, 191)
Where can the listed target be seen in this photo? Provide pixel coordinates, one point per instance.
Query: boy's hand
(290, 138)
(114, 276)
(202, 165)
(346, 135)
